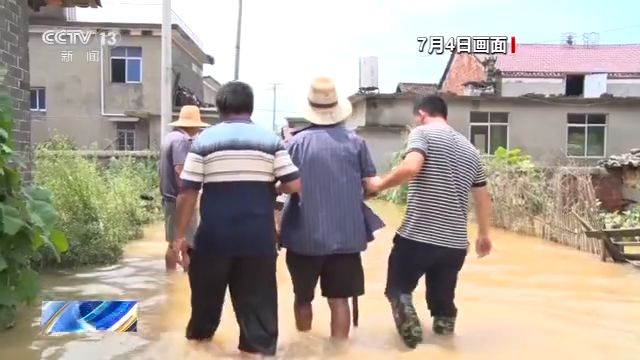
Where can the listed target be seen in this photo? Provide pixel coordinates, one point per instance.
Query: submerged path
(530, 299)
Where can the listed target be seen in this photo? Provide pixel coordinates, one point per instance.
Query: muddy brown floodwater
(530, 299)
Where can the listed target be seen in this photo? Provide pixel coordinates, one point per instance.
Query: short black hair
(433, 105)
(235, 97)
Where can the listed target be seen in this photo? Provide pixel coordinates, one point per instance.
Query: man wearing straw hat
(174, 150)
(325, 236)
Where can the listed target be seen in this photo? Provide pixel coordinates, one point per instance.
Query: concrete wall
(357, 117)
(14, 57)
(386, 121)
(209, 90)
(521, 86)
(73, 91)
(144, 96)
(183, 63)
(382, 143)
(538, 128)
(388, 111)
(623, 87)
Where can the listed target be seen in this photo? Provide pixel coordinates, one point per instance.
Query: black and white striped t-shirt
(438, 196)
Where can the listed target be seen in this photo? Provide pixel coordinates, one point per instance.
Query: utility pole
(166, 97)
(238, 33)
(273, 121)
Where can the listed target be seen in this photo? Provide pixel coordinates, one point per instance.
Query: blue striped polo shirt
(329, 217)
(236, 163)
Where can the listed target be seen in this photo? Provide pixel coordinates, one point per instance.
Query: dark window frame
(41, 98)
(125, 133)
(127, 60)
(588, 123)
(491, 121)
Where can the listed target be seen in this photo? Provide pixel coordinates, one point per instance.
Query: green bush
(398, 194)
(100, 206)
(622, 220)
(516, 185)
(518, 188)
(28, 222)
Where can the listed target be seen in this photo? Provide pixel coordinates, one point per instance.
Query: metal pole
(166, 98)
(238, 34)
(273, 121)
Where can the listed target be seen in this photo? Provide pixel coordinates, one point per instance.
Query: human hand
(373, 186)
(483, 246)
(180, 249)
(368, 196)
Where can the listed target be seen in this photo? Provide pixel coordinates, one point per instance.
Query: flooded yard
(530, 299)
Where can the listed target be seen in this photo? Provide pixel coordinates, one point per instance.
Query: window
(126, 136)
(586, 135)
(489, 130)
(38, 99)
(126, 65)
(574, 85)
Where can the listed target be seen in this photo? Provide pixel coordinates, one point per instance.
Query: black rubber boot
(444, 325)
(406, 319)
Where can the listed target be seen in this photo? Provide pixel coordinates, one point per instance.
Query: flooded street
(530, 299)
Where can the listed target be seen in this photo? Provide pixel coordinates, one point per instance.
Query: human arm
(368, 170)
(286, 172)
(192, 178)
(408, 168)
(482, 204)
(179, 151)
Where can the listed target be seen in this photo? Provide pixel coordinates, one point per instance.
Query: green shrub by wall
(100, 207)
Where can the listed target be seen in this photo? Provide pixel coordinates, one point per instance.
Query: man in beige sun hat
(324, 238)
(174, 150)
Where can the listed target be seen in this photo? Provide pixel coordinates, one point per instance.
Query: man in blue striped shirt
(236, 164)
(323, 228)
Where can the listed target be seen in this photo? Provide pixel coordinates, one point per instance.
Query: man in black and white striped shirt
(442, 167)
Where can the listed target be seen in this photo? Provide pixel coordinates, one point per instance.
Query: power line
(275, 89)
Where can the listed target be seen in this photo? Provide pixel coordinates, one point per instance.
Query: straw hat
(323, 106)
(189, 118)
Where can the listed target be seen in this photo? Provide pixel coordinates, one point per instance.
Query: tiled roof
(572, 59)
(417, 88)
(37, 4)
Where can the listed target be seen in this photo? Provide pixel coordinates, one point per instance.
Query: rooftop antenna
(591, 39)
(569, 38)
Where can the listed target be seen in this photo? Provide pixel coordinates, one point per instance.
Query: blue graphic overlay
(79, 316)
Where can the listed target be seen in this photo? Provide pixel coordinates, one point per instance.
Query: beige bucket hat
(323, 106)
(189, 118)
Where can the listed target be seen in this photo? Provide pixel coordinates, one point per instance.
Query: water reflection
(528, 300)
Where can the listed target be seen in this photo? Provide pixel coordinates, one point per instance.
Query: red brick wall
(464, 68)
(609, 190)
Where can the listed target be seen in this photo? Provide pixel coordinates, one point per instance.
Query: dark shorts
(253, 290)
(410, 260)
(341, 275)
